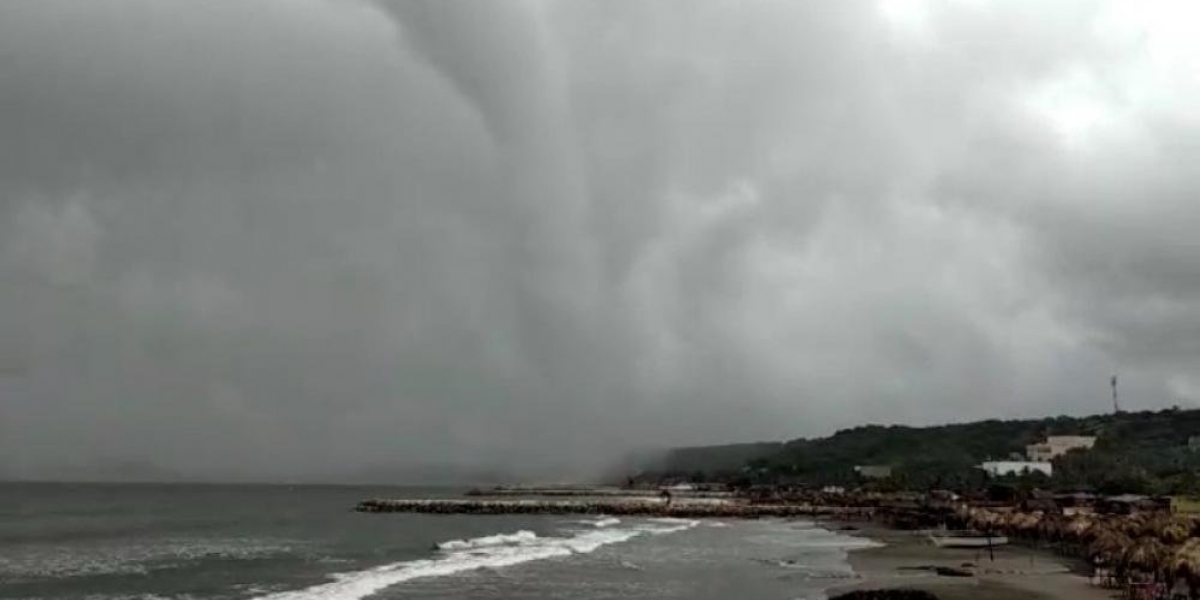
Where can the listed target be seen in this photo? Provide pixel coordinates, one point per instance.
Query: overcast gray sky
(292, 238)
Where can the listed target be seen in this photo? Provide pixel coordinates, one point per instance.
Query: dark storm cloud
(292, 239)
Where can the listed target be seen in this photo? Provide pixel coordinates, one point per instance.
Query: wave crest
(493, 551)
(521, 537)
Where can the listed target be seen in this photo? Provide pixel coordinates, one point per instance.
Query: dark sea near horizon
(200, 542)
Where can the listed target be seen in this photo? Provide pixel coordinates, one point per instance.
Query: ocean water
(110, 542)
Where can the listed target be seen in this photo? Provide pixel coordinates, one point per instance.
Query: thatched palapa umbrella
(1175, 531)
(1108, 547)
(1028, 523)
(1078, 527)
(1185, 562)
(1148, 555)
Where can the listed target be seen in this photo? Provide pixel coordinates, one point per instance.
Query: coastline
(906, 560)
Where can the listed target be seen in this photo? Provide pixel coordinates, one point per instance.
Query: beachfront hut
(1040, 501)
(1078, 503)
(1130, 504)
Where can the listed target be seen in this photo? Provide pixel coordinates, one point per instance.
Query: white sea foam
(589, 542)
(673, 525)
(672, 520)
(520, 537)
(609, 522)
(842, 543)
(458, 556)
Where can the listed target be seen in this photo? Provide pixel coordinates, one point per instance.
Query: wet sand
(1016, 573)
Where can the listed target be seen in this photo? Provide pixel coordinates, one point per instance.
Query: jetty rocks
(630, 508)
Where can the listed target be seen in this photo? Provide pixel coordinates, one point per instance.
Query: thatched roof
(1185, 562)
(1079, 526)
(1147, 554)
(1108, 546)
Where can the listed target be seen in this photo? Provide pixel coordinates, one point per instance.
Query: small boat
(966, 539)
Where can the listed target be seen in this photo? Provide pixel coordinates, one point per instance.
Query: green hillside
(1135, 452)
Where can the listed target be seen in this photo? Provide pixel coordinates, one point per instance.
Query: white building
(1058, 445)
(996, 468)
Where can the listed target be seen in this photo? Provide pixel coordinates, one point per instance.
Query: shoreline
(906, 561)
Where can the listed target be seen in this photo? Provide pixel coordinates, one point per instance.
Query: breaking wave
(523, 536)
(457, 556)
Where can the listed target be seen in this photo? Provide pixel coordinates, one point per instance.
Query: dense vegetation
(1141, 452)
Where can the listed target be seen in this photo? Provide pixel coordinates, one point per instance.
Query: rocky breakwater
(631, 508)
(593, 492)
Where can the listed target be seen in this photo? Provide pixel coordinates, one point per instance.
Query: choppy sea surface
(235, 542)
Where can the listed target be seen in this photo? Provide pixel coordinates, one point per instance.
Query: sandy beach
(907, 560)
